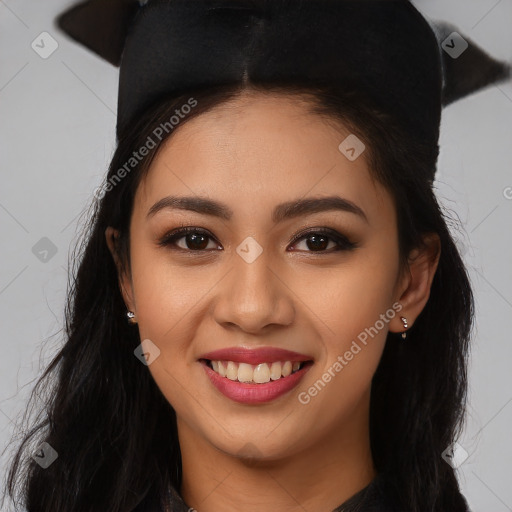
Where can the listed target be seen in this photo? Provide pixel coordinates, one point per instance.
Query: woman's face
(265, 270)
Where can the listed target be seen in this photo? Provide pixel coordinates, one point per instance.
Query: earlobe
(124, 281)
(422, 266)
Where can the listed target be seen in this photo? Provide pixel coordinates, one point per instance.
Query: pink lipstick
(253, 376)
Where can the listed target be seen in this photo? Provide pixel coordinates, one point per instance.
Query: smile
(256, 375)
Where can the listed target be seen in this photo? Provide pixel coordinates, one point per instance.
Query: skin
(253, 153)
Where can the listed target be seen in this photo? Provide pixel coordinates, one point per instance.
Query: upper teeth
(259, 374)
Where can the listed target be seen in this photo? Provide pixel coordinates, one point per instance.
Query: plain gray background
(57, 135)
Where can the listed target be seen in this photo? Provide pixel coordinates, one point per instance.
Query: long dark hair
(113, 430)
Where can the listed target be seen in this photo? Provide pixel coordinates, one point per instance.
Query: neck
(319, 477)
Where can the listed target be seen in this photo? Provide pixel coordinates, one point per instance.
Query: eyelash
(343, 243)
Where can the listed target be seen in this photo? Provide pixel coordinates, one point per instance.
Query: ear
(125, 282)
(414, 287)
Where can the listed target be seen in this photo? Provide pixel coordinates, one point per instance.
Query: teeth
(259, 374)
(275, 371)
(222, 368)
(232, 371)
(245, 372)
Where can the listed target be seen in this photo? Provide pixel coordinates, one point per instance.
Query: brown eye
(319, 239)
(317, 242)
(195, 239)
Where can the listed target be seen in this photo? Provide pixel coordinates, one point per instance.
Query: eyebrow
(282, 212)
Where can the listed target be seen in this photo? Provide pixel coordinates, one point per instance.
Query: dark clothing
(372, 498)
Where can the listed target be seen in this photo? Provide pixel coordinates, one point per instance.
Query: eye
(317, 240)
(195, 239)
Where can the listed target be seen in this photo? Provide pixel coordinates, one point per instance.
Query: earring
(131, 317)
(404, 321)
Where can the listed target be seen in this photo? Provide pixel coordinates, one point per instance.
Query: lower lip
(255, 393)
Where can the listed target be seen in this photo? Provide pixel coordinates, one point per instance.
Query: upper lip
(254, 355)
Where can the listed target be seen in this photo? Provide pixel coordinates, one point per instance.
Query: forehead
(258, 150)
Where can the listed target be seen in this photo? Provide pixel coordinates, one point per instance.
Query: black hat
(409, 66)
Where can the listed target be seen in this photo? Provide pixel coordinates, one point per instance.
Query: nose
(254, 296)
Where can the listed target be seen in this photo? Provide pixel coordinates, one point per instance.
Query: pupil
(319, 242)
(193, 239)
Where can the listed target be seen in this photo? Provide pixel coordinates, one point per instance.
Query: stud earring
(131, 317)
(404, 321)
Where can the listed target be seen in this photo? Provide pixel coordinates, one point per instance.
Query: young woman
(269, 311)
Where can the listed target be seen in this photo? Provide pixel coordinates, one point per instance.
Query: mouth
(256, 375)
(261, 373)
(255, 384)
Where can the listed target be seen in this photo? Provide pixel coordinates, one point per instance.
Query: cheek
(167, 307)
(355, 305)
(170, 300)
(164, 293)
(352, 297)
